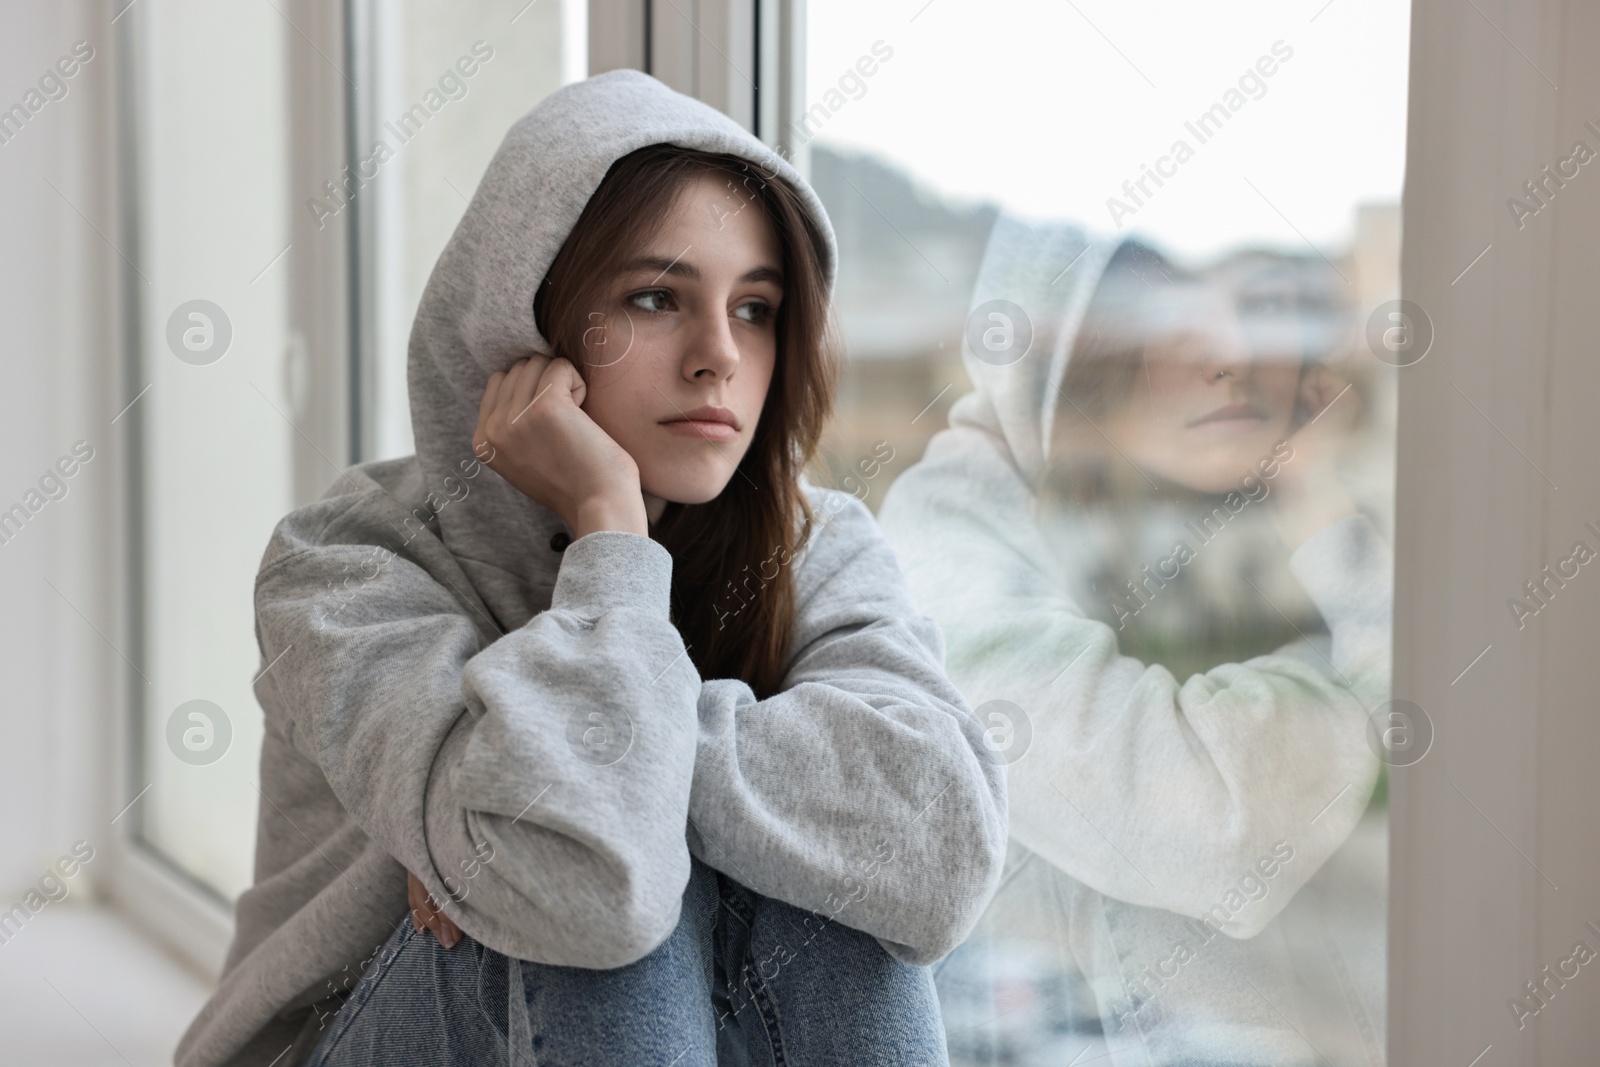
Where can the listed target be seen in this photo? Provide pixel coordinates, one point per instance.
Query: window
(215, 398)
(269, 293)
(235, 357)
(1088, 237)
(430, 127)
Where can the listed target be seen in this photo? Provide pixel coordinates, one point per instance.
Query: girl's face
(680, 356)
(1204, 409)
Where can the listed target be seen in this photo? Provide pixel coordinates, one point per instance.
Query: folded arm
(862, 790)
(455, 757)
(1149, 789)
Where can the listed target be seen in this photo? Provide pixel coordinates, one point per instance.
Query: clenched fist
(533, 432)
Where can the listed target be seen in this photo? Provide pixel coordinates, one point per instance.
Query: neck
(653, 507)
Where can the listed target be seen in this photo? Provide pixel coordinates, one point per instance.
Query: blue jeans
(744, 980)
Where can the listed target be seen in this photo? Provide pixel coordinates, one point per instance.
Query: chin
(680, 490)
(1221, 488)
(1219, 476)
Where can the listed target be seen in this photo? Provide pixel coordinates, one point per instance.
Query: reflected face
(681, 355)
(1203, 408)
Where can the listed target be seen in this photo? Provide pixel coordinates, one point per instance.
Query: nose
(712, 354)
(1223, 362)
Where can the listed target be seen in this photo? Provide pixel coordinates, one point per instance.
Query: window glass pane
(213, 215)
(441, 125)
(1115, 285)
(217, 423)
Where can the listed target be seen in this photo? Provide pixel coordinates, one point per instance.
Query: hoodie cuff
(1348, 570)
(611, 569)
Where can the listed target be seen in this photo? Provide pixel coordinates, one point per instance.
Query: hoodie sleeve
(470, 764)
(1151, 790)
(862, 790)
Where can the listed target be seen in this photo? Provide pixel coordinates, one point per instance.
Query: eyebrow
(679, 269)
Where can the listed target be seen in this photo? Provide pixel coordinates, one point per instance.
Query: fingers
(446, 932)
(1333, 388)
(425, 912)
(506, 398)
(561, 375)
(480, 436)
(491, 392)
(523, 383)
(1327, 387)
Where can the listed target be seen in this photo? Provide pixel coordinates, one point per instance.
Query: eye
(755, 311)
(652, 300)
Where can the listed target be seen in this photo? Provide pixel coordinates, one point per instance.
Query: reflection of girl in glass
(1182, 620)
(1192, 406)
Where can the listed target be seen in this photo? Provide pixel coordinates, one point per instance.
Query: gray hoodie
(1147, 809)
(436, 672)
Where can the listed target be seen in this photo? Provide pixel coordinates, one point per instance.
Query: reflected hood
(476, 313)
(1050, 271)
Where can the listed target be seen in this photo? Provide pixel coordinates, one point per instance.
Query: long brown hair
(733, 592)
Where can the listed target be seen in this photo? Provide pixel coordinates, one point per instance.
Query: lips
(1229, 413)
(708, 413)
(707, 422)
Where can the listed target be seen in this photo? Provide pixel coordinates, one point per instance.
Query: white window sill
(79, 985)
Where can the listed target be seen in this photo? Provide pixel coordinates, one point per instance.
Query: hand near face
(1307, 494)
(533, 432)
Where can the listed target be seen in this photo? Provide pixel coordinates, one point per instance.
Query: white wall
(60, 382)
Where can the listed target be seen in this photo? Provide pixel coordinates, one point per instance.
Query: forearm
(1165, 796)
(575, 767)
(867, 797)
(589, 871)
(1148, 788)
(443, 749)
(1348, 571)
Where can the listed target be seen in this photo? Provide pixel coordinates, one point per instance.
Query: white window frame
(185, 914)
(1496, 408)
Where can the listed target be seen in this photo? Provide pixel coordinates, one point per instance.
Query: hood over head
(476, 313)
(1049, 270)
(1053, 270)
(1065, 281)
